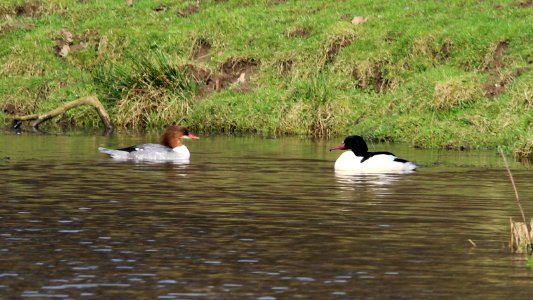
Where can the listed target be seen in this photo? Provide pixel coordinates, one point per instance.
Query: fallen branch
(37, 119)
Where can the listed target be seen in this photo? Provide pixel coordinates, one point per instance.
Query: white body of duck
(155, 152)
(170, 148)
(360, 160)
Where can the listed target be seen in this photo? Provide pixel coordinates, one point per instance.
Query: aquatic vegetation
(521, 236)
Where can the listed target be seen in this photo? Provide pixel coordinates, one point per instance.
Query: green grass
(415, 72)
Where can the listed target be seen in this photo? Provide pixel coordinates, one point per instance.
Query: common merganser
(170, 148)
(359, 159)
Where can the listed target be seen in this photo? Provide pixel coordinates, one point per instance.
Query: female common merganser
(360, 160)
(170, 147)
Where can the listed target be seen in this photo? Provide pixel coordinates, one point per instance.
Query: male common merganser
(360, 160)
(170, 148)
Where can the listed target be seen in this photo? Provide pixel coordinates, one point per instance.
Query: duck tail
(114, 153)
(413, 166)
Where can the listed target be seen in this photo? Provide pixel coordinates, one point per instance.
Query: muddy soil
(191, 9)
(232, 73)
(335, 47)
(201, 50)
(299, 32)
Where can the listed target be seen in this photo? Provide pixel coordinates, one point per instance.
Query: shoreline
(395, 71)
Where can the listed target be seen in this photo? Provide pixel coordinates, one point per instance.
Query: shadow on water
(253, 218)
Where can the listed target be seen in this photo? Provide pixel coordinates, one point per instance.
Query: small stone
(358, 20)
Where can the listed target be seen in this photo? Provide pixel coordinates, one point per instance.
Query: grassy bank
(453, 74)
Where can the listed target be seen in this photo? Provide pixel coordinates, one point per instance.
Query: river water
(254, 218)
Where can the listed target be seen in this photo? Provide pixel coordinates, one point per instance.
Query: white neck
(182, 150)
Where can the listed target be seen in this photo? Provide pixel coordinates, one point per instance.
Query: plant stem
(516, 196)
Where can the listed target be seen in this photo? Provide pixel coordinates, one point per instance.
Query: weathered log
(37, 119)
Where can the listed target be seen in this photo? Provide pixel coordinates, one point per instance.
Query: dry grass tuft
(444, 51)
(342, 35)
(456, 92)
(30, 8)
(142, 108)
(374, 75)
(423, 46)
(284, 67)
(315, 106)
(13, 24)
(335, 46)
(294, 118)
(519, 240)
(299, 31)
(28, 100)
(494, 57)
(237, 65)
(525, 149)
(429, 46)
(521, 93)
(191, 9)
(327, 117)
(17, 63)
(318, 120)
(200, 50)
(111, 48)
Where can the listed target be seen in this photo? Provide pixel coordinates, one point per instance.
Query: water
(254, 218)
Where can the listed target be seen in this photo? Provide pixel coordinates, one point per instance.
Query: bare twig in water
(472, 242)
(527, 235)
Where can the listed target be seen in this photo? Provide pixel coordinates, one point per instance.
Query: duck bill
(191, 136)
(339, 147)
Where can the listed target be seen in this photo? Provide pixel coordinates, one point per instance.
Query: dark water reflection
(253, 218)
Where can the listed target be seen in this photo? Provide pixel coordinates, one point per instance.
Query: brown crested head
(173, 135)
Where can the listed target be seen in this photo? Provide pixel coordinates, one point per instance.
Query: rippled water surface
(254, 218)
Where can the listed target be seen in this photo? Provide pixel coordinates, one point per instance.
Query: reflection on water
(255, 219)
(351, 180)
